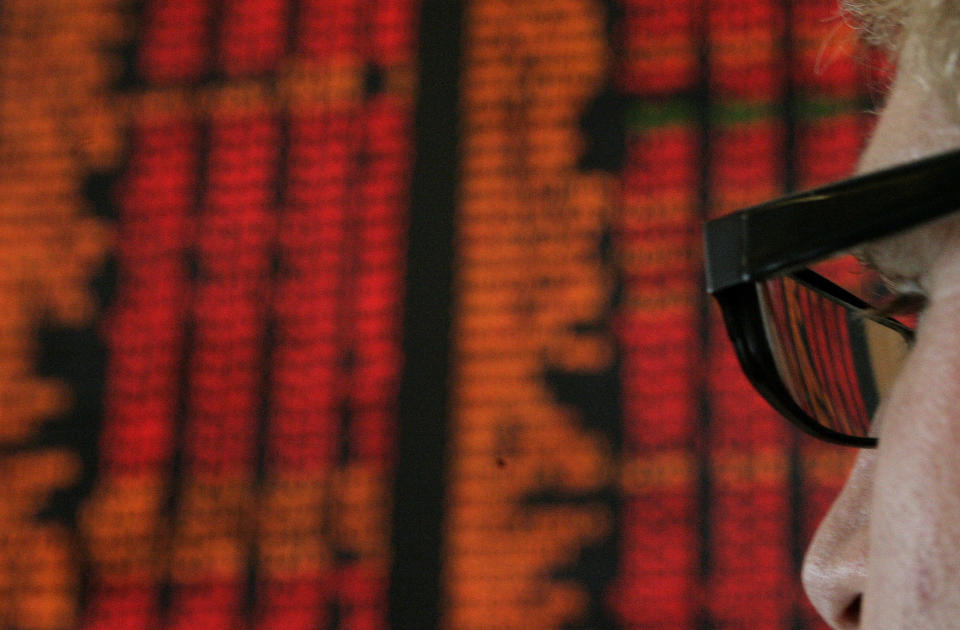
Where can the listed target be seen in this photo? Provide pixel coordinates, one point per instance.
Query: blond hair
(922, 36)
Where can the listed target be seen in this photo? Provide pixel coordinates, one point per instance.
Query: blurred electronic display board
(233, 230)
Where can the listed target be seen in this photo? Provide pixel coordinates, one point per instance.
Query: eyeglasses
(816, 352)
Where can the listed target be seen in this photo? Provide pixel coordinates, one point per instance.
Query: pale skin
(887, 556)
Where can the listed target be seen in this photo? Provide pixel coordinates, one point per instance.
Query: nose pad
(835, 567)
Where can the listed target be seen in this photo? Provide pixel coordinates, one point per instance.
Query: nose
(835, 567)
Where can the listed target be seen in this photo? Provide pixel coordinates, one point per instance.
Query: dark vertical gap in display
(798, 623)
(100, 191)
(417, 529)
(79, 357)
(88, 376)
(194, 278)
(703, 619)
(89, 382)
(349, 291)
(597, 396)
(372, 71)
(128, 77)
(603, 123)
(789, 102)
(797, 510)
(795, 522)
(348, 295)
(791, 178)
(266, 366)
(214, 37)
(294, 9)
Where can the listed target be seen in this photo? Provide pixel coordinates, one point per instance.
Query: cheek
(915, 515)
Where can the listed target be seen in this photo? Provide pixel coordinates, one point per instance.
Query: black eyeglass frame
(783, 236)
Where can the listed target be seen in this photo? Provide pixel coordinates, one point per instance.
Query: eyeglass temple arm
(795, 230)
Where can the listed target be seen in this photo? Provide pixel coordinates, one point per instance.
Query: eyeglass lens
(836, 363)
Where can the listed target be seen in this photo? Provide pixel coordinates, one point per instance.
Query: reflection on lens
(836, 362)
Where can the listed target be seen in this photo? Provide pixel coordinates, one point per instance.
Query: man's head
(888, 554)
